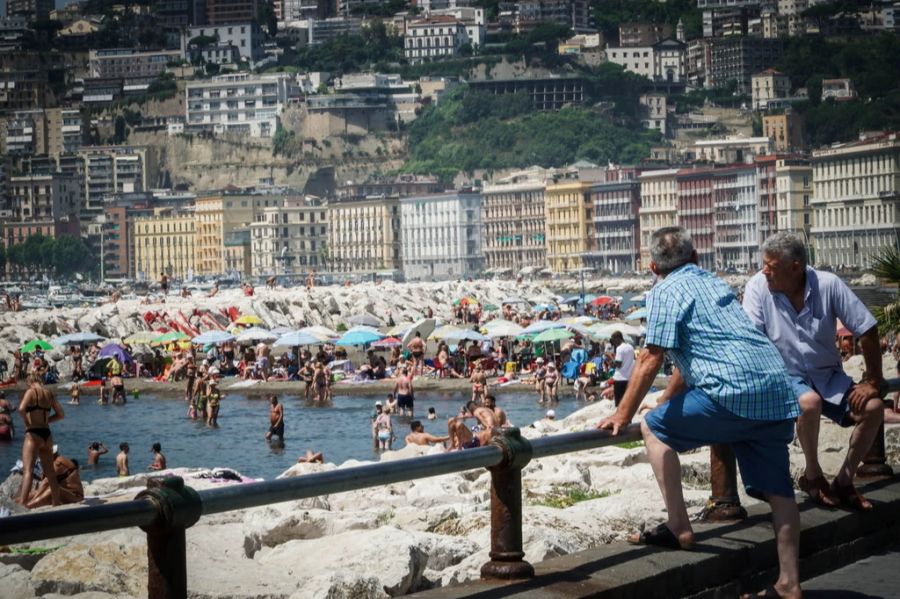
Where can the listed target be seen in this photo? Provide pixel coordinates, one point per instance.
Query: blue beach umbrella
(359, 336)
(77, 339)
(638, 314)
(542, 325)
(465, 335)
(297, 338)
(213, 337)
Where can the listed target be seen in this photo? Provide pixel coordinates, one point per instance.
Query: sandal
(768, 593)
(661, 536)
(818, 490)
(849, 497)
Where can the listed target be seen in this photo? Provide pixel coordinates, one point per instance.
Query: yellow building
(217, 217)
(364, 236)
(570, 224)
(659, 201)
(164, 242)
(794, 186)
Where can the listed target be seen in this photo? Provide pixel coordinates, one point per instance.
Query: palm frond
(887, 264)
(888, 317)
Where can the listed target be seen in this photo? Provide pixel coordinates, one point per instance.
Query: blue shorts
(691, 420)
(837, 413)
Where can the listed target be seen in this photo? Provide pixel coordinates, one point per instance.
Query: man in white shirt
(624, 363)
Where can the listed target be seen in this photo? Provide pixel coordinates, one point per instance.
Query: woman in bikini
(35, 409)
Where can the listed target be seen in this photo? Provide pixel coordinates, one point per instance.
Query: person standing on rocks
(730, 386)
(624, 363)
(35, 409)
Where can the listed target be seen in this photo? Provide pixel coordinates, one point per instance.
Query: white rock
(15, 581)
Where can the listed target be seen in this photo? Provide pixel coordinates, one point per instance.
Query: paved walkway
(870, 578)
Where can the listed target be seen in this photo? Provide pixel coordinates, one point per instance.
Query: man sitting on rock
(730, 387)
(462, 437)
(418, 436)
(797, 307)
(71, 490)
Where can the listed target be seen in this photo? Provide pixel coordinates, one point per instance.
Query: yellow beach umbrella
(250, 319)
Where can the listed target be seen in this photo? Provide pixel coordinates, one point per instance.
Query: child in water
(76, 395)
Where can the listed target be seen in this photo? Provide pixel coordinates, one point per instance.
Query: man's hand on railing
(615, 422)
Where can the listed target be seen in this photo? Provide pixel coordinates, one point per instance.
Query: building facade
(244, 37)
(696, 211)
(664, 61)
(658, 207)
(241, 104)
(617, 233)
(737, 58)
(164, 242)
(514, 221)
(569, 217)
(767, 85)
(40, 204)
(442, 236)
(794, 185)
(434, 38)
(289, 238)
(219, 12)
(365, 235)
(126, 63)
(785, 130)
(736, 219)
(856, 201)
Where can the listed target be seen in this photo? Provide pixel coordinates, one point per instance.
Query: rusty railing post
(874, 464)
(725, 503)
(507, 558)
(179, 507)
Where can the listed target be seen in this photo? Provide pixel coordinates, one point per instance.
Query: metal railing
(167, 507)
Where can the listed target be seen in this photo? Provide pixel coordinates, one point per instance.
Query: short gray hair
(786, 246)
(670, 247)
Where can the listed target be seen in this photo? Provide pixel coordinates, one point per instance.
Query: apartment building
(569, 214)
(633, 35)
(736, 218)
(514, 221)
(616, 226)
(289, 238)
(663, 61)
(655, 112)
(696, 211)
(767, 194)
(49, 131)
(107, 170)
(245, 38)
(794, 187)
(127, 63)
(856, 200)
(768, 85)
(471, 17)
(40, 204)
(365, 235)
(658, 207)
(220, 12)
(164, 243)
(322, 31)
(242, 104)
(729, 150)
(738, 58)
(442, 236)
(33, 10)
(786, 131)
(838, 89)
(434, 38)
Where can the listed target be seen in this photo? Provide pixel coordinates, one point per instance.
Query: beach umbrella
(638, 314)
(639, 298)
(491, 307)
(465, 335)
(441, 332)
(366, 319)
(255, 335)
(213, 337)
(249, 319)
(387, 342)
(320, 332)
(77, 339)
(540, 326)
(296, 338)
(602, 300)
(359, 336)
(542, 307)
(466, 301)
(111, 350)
(398, 330)
(170, 337)
(425, 327)
(604, 331)
(504, 329)
(282, 330)
(35, 344)
(141, 338)
(581, 330)
(551, 335)
(578, 320)
(514, 300)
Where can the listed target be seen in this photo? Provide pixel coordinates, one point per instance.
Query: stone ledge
(729, 558)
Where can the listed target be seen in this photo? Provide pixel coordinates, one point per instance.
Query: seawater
(341, 430)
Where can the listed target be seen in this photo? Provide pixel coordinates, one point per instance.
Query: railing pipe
(237, 497)
(590, 439)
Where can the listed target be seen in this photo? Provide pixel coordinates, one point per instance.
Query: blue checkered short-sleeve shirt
(697, 319)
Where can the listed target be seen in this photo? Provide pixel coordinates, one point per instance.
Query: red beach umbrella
(602, 300)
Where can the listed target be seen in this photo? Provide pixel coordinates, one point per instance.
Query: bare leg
(808, 432)
(667, 469)
(786, 522)
(29, 455)
(861, 440)
(46, 455)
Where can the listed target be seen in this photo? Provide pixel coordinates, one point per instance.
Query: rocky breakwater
(390, 540)
(329, 306)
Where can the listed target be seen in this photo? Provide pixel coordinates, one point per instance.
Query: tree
(121, 133)
(887, 266)
(69, 254)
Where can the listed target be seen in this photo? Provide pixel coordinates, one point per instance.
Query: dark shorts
(405, 401)
(837, 413)
(691, 420)
(277, 431)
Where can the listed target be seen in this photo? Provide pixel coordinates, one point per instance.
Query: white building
(732, 149)
(838, 89)
(246, 37)
(659, 203)
(126, 63)
(441, 236)
(243, 103)
(654, 112)
(365, 235)
(434, 38)
(767, 86)
(794, 189)
(856, 200)
(663, 61)
(513, 220)
(470, 16)
(289, 238)
(736, 212)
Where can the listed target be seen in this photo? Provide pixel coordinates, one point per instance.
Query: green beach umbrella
(35, 344)
(170, 337)
(553, 335)
(491, 308)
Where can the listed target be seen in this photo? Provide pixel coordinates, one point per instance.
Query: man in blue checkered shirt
(730, 386)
